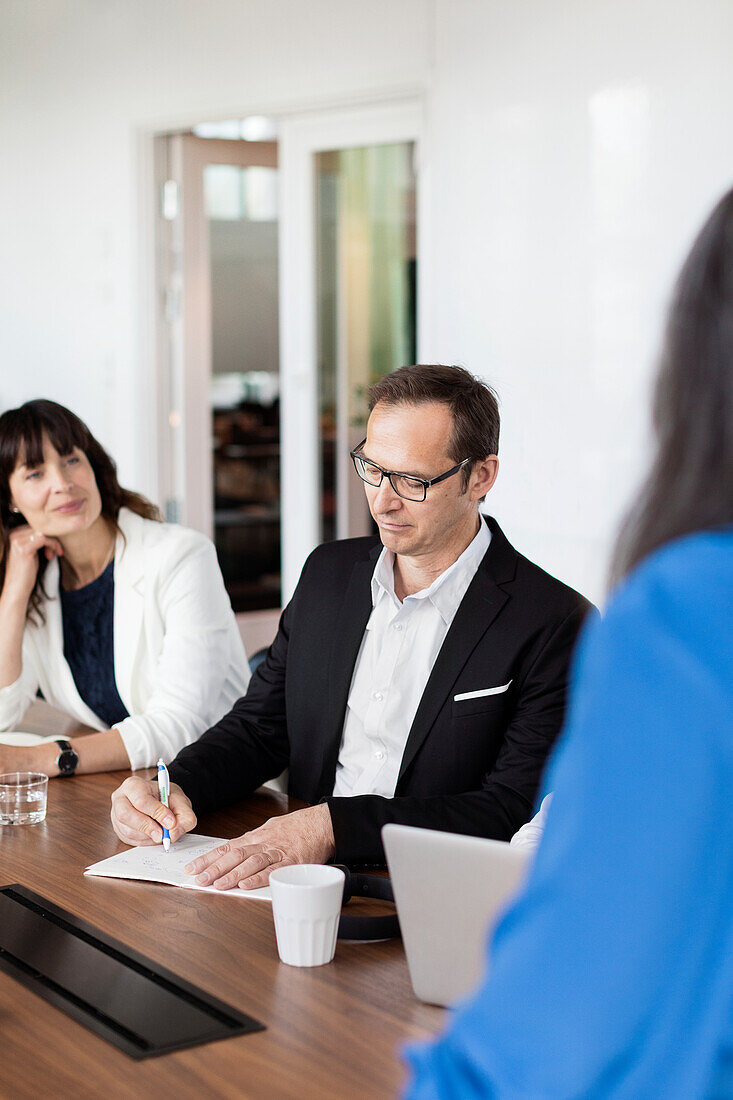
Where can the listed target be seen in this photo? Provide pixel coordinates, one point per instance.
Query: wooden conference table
(332, 1031)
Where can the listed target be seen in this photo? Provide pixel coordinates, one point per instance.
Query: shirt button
(398, 626)
(377, 697)
(379, 754)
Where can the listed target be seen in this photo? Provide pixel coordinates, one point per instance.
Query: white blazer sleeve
(202, 668)
(16, 698)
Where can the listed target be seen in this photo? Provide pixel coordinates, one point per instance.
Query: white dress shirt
(530, 835)
(399, 648)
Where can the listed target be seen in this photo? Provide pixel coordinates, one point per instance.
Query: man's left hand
(305, 836)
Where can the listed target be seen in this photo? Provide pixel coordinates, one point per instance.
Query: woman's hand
(30, 758)
(21, 570)
(14, 758)
(22, 567)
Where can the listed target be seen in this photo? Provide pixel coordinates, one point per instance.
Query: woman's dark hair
(472, 402)
(690, 485)
(21, 437)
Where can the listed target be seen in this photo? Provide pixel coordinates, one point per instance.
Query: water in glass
(23, 798)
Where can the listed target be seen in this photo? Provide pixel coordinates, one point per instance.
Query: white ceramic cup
(306, 905)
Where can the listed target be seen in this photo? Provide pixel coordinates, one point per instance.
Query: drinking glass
(23, 798)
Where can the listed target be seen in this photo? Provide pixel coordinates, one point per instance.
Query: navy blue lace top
(88, 614)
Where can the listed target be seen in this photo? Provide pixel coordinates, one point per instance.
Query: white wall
(575, 148)
(572, 149)
(80, 81)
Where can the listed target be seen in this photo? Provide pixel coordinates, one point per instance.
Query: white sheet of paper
(154, 864)
(25, 739)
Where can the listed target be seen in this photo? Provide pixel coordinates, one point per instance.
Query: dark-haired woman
(119, 620)
(612, 975)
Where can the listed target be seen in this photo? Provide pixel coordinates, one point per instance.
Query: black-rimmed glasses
(405, 485)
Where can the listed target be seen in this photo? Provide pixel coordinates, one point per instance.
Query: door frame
(300, 138)
(303, 130)
(184, 336)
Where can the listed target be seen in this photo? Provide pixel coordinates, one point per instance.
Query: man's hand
(305, 836)
(137, 814)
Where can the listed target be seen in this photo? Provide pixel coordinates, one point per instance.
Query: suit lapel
(356, 608)
(482, 602)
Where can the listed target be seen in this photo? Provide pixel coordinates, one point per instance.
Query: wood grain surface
(332, 1031)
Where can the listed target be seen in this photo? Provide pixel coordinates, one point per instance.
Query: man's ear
(483, 476)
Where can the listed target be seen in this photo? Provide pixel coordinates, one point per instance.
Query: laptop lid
(450, 891)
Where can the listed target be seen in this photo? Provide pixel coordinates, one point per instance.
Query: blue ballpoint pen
(164, 787)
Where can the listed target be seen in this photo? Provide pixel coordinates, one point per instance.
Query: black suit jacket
(470, 766)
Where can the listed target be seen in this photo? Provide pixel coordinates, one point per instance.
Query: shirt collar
(447, 590)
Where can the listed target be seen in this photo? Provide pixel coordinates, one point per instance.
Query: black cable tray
(132, 1002)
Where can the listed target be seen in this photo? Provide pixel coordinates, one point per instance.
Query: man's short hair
(472, 402)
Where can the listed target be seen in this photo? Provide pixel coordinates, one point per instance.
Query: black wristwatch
(67, 761)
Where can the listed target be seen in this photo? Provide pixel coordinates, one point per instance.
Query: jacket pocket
(480, 693)
(482, 701)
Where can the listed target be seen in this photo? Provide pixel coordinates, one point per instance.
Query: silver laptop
(449, 890)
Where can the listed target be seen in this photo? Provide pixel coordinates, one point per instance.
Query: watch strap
(67, 760)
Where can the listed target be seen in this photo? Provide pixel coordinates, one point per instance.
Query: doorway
(286, 261)
(219, 260)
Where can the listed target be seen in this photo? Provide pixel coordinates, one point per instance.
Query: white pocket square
(480, 693)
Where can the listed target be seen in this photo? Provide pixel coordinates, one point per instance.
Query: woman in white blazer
(118, 619)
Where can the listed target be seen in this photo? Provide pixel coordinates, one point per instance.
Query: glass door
(219, 349)
(366, 268)
(349, 303)
(241, 209)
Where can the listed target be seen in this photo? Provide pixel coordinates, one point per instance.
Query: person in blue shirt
(612, 974)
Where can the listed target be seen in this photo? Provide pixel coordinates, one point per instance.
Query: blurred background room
(222, 220)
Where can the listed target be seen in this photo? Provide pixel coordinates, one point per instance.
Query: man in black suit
(418, 678)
